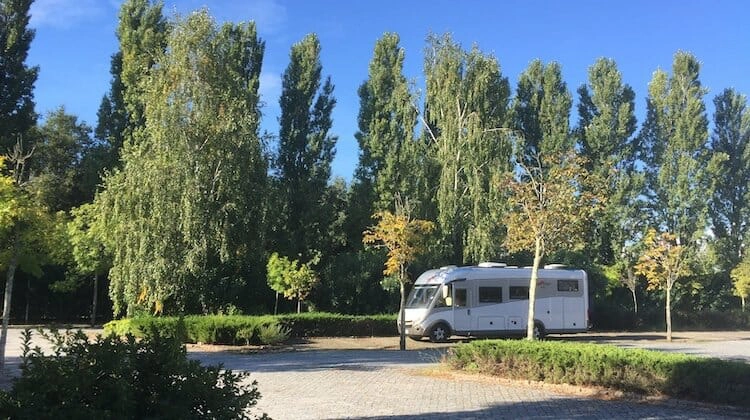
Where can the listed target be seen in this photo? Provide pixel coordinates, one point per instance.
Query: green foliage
(674, 137)
(185, 213)
(142, 32)
(466, 106)
(741, 280)
(215, 329)
(305, 151)
(387, 118)
(730, 176)
(58, 179)
(17, 114)
(111, 377)
(290, 278)
(642, 371)
(541, 110)
(273, 334)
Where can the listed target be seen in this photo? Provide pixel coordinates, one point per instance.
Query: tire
(440, 333)
(539, 332)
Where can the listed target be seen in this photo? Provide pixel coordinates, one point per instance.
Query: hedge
(241, 329)
(641, 371)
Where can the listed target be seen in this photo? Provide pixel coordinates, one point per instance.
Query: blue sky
(75, 39)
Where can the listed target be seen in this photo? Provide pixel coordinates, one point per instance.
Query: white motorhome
(492, 299)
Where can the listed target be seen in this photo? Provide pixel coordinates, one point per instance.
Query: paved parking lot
(390, 384)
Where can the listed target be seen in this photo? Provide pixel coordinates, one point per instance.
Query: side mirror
(446, 290)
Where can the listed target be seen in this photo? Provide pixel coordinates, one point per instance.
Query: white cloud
(270, 16)
(68, 13)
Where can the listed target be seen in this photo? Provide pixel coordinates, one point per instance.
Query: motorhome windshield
(421, 296)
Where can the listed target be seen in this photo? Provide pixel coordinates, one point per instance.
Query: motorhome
(492, 299)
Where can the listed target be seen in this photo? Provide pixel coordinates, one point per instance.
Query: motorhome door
(461, 307)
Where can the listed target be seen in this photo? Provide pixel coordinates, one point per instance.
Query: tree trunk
(28, 298)
(94, 300)
(743, 303)
(276, 305)
(11, 274)
(669, 313)
(532, 288)
(631, 280)
(402, 316)
(299, 304)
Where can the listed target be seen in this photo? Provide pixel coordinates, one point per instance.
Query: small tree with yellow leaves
(552, 200)
(403, 237)
(663, 263)
(741, 280)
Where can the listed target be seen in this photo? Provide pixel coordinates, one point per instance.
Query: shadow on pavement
(313, 360)
(570, 408)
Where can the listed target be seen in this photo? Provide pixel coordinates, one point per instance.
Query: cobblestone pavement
(387, 384)
(391, 384)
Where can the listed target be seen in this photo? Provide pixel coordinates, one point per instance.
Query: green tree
(290, 278)
(112, 118)
(86, 235)
(57, 165)
(741, 280)
(24, 229)
(142, 32)
(403, 237)
(17, 79)
(674, 137)
(387, 118)
(541, 111)
(186, 212)
(663, 263)
(305, 150)
(606, 124)
(730, 171)
(552, 204)
(465, 109)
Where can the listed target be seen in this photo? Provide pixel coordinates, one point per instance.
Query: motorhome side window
(519, 292)
(459, 297)
(490, 294)
(567, 285)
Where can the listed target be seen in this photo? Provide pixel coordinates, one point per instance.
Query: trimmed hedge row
(242, 329)
(634, 370)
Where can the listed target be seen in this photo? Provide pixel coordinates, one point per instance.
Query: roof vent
(554, 266)
(491, 265)
(447, 267)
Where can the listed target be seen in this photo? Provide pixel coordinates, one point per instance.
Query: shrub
(643, 371)
(273, 334)
(111, 377)
(238, 329)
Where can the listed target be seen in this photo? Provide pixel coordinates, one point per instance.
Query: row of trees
(178, 200)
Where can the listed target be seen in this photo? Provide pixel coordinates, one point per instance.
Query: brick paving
(364, 384)
(390, 384)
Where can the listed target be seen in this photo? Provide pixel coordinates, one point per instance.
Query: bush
(642, 371)
(273, 334)
(111, 377)
(237, 329)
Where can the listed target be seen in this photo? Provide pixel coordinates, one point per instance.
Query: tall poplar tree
(466, 107)
(17, 79)
(305, 150)
(541, 110)
(142, 33)
(387, 117)
(674, 137)
(730, 204)
(185, 213)
(112, 118)
(605, 135)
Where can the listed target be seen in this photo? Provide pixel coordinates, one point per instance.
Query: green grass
(641, 371)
